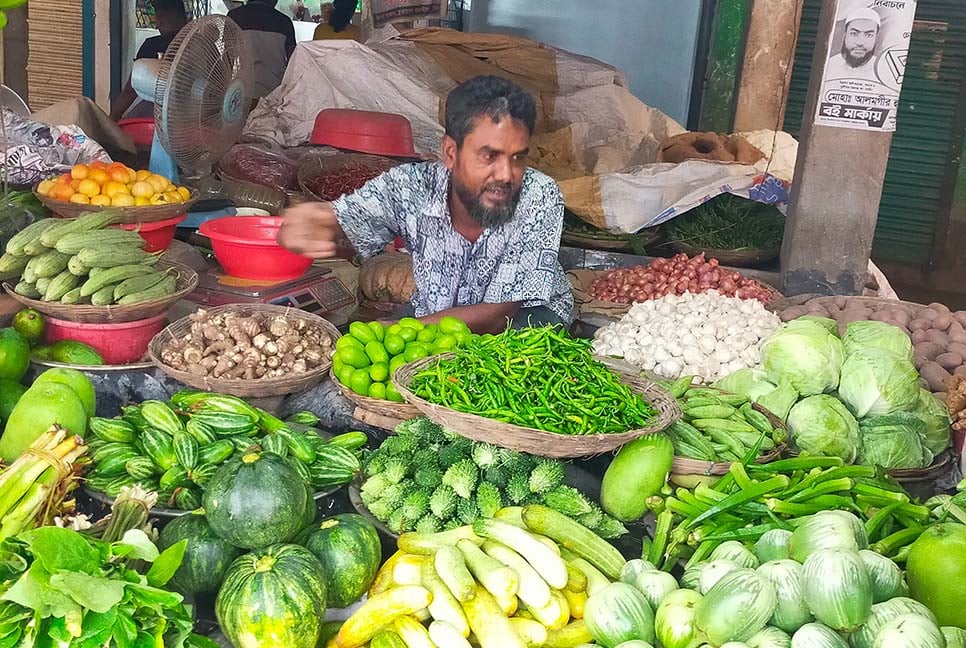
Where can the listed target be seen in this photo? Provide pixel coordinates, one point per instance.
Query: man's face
(859, 44)
(168, 22)
(488, 168)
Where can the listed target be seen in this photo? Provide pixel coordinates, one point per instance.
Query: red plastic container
(118, 344)
(245, 247)
(140, 129)
(157, 235)
(377, 133)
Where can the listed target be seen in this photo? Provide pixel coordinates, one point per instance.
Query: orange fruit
(61, 191)
(79, 171)
(142, 189)
(159, 183)
(122, 200)
(185, 193)
(88, 187)
(75, 183)
(142, 174)
(142, 201)
(64, 178)
(132, 176)
(97, 164)
(113, 188)
(80, 199)
(118, 174)
(99, 176)
(101, 200)
(172, 196)
(44, 187)
(159, 199)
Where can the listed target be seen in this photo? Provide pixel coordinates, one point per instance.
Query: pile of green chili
(537, 377)
(729, 222)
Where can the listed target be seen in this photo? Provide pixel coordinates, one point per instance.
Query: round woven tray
(187, 281)
(262, 387)
(741, 258)
(375, 410)
(587, 240)
(530, 440)
(129, 215)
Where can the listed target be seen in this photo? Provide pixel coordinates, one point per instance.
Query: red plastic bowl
(157, 235)
(377, 133)
(118, 344)
(245, 247)
(141, 130)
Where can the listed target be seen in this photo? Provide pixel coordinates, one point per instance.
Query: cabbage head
(826, 323)
(894, 441)
(876, 382)
(779, 401)
(748, 382)
(876, 335)
(934, 414)
(805, 355)
(822, 425)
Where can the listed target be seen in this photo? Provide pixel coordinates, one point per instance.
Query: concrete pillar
(767, 67)
(835, 195)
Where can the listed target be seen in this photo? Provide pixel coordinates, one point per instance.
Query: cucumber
(15, 245)
(532, 589)
(112, 276)
(551, 567)
(444, 606)
(103, 297)
(74, 243)
(27, 289)
(60, 286)
(117, 255)
(74, 266)
(93, 221)
(575, 537)
(452, 570)
(11, 266)
(73, 296)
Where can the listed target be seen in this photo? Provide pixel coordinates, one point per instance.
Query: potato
(960, 317)
(935, 376)
(816, 309)
(938, 337)
(929, 349)
(927, 314)
(941, 396)
(949, 361)
(898, 325)
(920, 335)
(919, 324)
(955, 328)
(960, 370)
(942, 309)
(840, 302)
(919, 359)
(899, 314)
(854, 315)
(943, 322)
(958, 337)
(794, 312)
(957, 347)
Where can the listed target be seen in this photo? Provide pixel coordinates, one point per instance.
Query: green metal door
(925, 146)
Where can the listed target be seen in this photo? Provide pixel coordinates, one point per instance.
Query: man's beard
(488, 217)
(856, 62)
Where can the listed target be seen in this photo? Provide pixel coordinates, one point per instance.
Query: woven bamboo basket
(384, 414)
(688, 466)
(530, 440)
(187, 281)
(262, 387)
(939, 466)
(129, 215)
(738, 258)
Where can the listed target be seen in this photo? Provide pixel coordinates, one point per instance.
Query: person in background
(169, 17)
(338, 25)
(483, 228)
(270, 37)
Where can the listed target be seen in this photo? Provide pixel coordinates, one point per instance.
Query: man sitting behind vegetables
(483, 228)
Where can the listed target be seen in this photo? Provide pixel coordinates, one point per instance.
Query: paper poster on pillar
(389, 11)
(866, 62)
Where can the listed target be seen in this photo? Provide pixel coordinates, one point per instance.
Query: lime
(411, 322)
(361, 332)
(462, 337)
(379, 372)
(10, 393)
(355, 357)
(345, 375)
(14, 355)
(415, 351)
(30, 324)
(337, 363)
(394, 344)
(394, 329)
(360, 381)
(408, 334)
(378, 330)
(427, 335)
(377, 352)
(392, 394)
(377, 390)
(395, 363)
(348, 341)
(444, 343)
(451, 325)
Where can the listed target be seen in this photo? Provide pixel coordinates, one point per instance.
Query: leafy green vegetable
(822, 425)
(750, 382)
(729, 222)
(876, 382)
(876, 335)
(894, 441)
(934, 414)
(805, 355)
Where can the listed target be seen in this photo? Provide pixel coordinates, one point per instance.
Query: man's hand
(310, 229)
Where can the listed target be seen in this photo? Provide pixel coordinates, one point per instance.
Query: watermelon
(349, 549)
(206, 559)
(273, 598)
(256, 501)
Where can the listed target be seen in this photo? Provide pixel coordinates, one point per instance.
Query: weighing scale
(317, 291)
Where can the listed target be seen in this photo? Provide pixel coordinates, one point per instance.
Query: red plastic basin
(364, 131)
(117, 343)
(158, 235)
(245, 247)
(140, 129)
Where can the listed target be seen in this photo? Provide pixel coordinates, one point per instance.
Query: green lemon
(361, 332)
(355, 357)
(360, 381)
(394, 344)
(30, 324)
(462, 337)
(377, 352)
(395, 363)
(392, 394)
(379, 372)
(415, 351)
(394, 329)
(345, 375)
(408, 334)
(378, 330)
(337, 363)
(452, 325)
(377, 390)
(427, 335)
(411, 322)
(444, 343)
(348, 341)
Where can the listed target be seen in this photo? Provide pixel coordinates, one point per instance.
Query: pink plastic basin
(118, 344)
(157, 235)
(245, 247)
